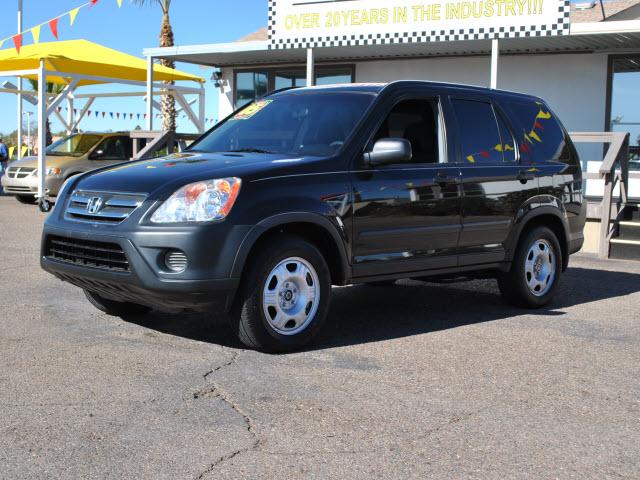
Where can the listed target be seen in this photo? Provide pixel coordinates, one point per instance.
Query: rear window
(538, 133)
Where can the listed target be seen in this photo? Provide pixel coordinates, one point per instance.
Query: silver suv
(68, 156)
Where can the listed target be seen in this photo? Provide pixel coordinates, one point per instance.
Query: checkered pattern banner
(325, 37)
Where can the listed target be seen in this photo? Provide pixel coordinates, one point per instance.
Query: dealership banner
(332, 23)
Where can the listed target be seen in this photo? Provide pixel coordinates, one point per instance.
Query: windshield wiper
(249, 150)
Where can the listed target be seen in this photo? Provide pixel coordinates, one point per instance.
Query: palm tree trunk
(168, 102)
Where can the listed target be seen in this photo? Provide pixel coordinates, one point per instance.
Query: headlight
(53, 171)
(199, 202)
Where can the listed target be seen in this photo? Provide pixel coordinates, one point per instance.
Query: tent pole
(42, 136)
(201, 111)
(495, 50)
(149, 93)
(70, 115)
(19, 98)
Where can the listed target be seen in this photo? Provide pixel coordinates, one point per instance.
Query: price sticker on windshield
(251, 110)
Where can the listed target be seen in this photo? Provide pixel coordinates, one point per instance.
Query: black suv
(313, 187)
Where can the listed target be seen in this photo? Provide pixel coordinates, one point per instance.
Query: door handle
(524, 176)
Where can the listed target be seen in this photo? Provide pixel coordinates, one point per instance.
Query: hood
(51, 161)
(147, 176)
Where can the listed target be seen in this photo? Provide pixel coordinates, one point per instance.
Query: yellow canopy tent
(84, 58)
(76, 63)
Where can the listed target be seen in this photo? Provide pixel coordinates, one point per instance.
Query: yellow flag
(119, 3)
(535, 136)
(507, 147)
(11, 149)
(527, 138)
(544, 115)
(471, 159)
(35, 32)
(498, 147)
(73, 14)
(24, 150)
(1, 43)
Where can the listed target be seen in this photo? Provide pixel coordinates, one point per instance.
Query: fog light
(176, 261)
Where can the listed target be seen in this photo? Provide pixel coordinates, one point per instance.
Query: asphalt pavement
(416, 380)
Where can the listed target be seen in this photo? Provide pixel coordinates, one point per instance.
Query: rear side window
(478, 131)
(538, 133)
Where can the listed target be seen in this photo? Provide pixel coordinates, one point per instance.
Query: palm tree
(54, 89)
(166, 40)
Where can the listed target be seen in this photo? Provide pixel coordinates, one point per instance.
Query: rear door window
(478, 132)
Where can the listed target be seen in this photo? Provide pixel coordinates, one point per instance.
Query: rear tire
(112, 307)
(535, 271)
(284, 296)
(26, 199)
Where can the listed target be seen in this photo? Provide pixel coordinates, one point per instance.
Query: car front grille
(19, 172)
(87, 253)
(102, 207)
(18, 189)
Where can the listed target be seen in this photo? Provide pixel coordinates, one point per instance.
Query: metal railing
(614, 171)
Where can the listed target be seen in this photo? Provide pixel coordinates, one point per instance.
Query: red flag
(89, 112)
(485, 154)
(17, 42)
(59, 109)
(93, 2)
(53, 25)
(145, 115)
(539, 125)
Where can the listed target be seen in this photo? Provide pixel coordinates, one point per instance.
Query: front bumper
(206, 285)
(29, 185)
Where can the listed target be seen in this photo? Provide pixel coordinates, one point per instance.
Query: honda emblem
(94, 204)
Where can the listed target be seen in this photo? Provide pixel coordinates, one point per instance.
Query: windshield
(302, 123)
(74, 145)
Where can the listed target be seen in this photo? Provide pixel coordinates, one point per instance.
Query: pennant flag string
(52, 23)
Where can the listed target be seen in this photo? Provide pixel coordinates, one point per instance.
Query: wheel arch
(546, 216)
(315, 228)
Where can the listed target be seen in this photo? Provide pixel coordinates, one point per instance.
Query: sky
(131, 29)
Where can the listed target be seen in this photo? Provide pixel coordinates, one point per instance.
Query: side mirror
(389, 150)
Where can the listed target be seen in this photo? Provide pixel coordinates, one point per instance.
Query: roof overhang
(613, 37)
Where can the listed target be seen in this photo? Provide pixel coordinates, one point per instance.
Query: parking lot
(412, 381)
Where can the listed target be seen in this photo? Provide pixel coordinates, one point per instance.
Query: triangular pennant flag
(73, 14)
(97, 113)
(130, 116)
(111, 114)
(119, 3)
(544, 115)
(138, 115)
(59, 109)
(53, 26)
(145, 115)
(11, 149)
(508, 147)
(484, 153)
(17, 42)
(538, 125)
(24, 150)
(35, 32)
(471, 159)
(103, 114)
(93, 2)
(89, 112)
(118, 115)
(75, 111)
(535, 136)
(498, 147)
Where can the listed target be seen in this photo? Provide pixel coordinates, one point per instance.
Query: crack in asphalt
(216, 391)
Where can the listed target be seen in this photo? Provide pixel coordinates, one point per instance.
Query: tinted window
(507, 145)
(478, 132)
(249, 86)
(113, 148)
(74, 145)
(538, 133)
(294, 123)
(416, 121)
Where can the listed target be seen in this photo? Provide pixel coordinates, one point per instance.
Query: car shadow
(364, 313)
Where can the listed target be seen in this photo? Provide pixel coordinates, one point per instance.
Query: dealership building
(573, 71)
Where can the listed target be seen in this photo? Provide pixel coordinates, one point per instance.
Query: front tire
(26, 199)
(535, 272)
(284, 297)
(112, 307)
